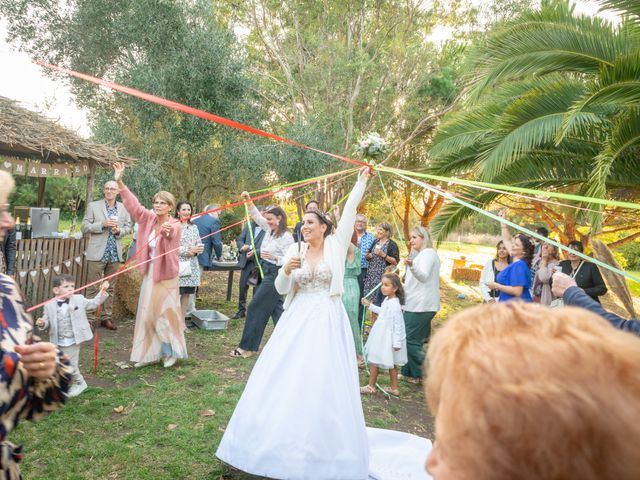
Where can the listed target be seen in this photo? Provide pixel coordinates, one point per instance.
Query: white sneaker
(170, 362)
(77, 389)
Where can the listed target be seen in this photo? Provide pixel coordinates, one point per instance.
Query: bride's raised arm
(344, 231)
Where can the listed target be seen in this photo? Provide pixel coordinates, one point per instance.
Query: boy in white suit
(66, 319)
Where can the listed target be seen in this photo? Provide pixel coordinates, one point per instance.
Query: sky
(25, 81)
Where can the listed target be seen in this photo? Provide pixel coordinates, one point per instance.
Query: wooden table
(226, 268)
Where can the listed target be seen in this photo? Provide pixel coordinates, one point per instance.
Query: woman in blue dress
(514, 282)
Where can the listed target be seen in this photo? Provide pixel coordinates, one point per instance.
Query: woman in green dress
(351, 295)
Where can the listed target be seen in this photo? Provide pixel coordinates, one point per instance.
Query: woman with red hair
(520, 391)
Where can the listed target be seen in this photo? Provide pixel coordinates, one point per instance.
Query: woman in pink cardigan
(159, 330)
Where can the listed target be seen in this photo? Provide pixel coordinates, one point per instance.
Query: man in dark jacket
(207, 224)
(565, 287)
(8, 250)
(246, 262)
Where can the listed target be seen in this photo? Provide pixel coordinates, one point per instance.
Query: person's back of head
(212, 210)
(521, 391)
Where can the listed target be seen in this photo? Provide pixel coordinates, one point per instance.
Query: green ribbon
(509, 188)
(298, 182)
(522, 229)
(253, 243)
(393, 215)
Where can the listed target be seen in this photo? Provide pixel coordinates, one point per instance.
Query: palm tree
(554, 103)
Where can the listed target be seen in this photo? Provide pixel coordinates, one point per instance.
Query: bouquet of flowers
(372, 145)
(229, 253)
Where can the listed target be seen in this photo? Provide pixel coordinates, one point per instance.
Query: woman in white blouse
(266, 301)
(422, 291)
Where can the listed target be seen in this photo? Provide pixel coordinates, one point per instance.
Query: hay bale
(127, 291)
(466, 274)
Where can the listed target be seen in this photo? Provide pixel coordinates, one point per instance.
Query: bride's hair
(324, 219)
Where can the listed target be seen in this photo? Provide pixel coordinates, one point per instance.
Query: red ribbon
(126, 268)
(190, 110)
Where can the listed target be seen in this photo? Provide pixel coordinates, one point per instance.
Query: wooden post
(41, 184)
(91, 179)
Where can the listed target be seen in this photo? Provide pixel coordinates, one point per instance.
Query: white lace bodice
(316, 280)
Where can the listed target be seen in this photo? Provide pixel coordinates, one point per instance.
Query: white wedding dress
(300, 415)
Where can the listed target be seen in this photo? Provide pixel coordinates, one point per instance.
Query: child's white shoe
(170, 362)
(77, 388)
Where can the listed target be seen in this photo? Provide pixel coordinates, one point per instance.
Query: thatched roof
(25, 133)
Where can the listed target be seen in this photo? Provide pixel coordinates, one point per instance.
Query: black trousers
(361, 277)
(243, 287)
(266, 302)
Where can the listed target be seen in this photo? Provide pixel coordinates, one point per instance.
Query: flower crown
(324, 217)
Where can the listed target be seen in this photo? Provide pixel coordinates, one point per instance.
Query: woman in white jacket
(491, 270)
(422, 291)
(300, 415)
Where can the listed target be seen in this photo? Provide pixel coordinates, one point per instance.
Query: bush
(631, 253)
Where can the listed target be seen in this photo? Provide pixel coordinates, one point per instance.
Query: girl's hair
(527, 248)
(423, 233)
(278, 212)
(386, 226)
(325, 220)
(555, 253)
(509, 259)
(165, 197)
(179, 206)
(397, 284)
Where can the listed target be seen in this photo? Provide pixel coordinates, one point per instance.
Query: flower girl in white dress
(387, 343)
(300, 415)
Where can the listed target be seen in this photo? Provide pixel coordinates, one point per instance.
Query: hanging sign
(33, 168)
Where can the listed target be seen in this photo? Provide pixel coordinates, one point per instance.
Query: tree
(548, 107)
(170, 48)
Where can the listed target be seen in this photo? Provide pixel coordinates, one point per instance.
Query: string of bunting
(45, 270)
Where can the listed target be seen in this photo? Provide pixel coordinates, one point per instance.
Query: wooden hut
(35, 146)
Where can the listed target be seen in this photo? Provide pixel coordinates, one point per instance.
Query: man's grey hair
(212, 206)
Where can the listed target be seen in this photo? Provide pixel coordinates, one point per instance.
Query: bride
(300, 415)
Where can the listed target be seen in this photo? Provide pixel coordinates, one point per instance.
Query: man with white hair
(106, 221)
(207, 225)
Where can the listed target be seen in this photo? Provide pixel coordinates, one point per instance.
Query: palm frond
(624, 136)
(625, 7)
(465, 129)
(616, 86)
(548, 41)
(532, 122)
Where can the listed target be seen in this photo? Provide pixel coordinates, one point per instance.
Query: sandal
(236, 353)
(367, 390)
(394, 392)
